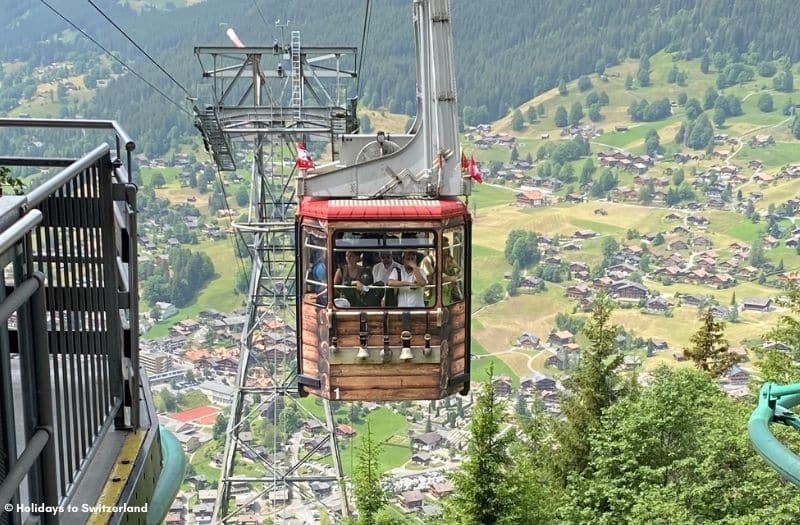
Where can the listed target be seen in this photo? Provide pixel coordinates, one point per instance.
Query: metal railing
(69, 357)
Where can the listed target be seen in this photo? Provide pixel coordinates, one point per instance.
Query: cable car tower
(268, 98)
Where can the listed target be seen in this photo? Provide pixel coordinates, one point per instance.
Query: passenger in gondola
(381, 272)
(411, 282)
(319, 274)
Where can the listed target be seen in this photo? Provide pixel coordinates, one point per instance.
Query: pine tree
(517, 121)
(367, 491)
(561, 118)
(709, 349)
(595, 386)
(479, 487)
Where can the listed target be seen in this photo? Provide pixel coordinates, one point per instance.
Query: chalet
(672, 272)
(553, 259)
(679, 357)
(556, 361)
(692, 300)
(582, 275)
(571, 348)
(312, 425)
(630, 362)
(576, 267)
(423, 458)
(532, 198)
(561, 337)
(315, 444)
(585, 234)
(577, 291)
(657, 304)
(502, 386)
(570, 247)
(321, 488)
(680, 158)
(680, 229)
(678, 245)
(628, 290)
(573, 197)
(659, 344)
(600, 211)
(633, 250)
(697, 276)
(748, 272)
(697, 220)
(761, 141)
(721, 280)
(438, 490)
(538, 381)
(530, 283)
(737, 375)
(792, 171)
(757, 304)
(702, 241)
(412, 499)
(739, 246)
(776, 345)
(672, 217)
(602, 282)
(527, 340)
(720, 312)
(675, 259)
(620, 271)
(345, 430)
(770, 242)
(791, 243)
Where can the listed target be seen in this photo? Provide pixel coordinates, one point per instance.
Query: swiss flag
(303, 161)
(474, 172)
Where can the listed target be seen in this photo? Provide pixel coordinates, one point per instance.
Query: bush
(494, 294)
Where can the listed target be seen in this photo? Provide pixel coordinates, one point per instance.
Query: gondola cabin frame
(383, 341)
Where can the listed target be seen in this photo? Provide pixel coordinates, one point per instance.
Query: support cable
(112, 55)
(132, 41)
(364, 36)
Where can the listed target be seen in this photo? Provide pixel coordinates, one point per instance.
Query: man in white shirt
(411, 282)
(382, 271)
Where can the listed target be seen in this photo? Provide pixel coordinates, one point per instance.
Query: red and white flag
(474, 172)
(464, 163)
(303, 161)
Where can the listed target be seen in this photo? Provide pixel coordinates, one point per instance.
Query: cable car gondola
(363, 338)
(383, 298)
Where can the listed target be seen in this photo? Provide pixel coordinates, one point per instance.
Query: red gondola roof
(377, 209)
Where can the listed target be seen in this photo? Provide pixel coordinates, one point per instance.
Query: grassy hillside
(502, 323)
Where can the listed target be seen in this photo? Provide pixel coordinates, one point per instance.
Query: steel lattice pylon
(267, 107)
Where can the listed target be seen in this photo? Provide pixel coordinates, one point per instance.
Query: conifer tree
(368, 493)
(709, 349)
(595, 386)
(479, 487)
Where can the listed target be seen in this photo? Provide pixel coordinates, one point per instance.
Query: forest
(503, 57)
(674, 451)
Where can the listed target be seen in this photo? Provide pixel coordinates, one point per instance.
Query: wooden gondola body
(379, 352)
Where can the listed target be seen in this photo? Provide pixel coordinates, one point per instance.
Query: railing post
(41, 368)
(117, 373)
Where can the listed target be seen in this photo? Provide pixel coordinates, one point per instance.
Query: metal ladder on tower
(297, 75)
(216, 139)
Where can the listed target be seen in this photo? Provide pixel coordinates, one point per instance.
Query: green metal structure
(774, 405)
